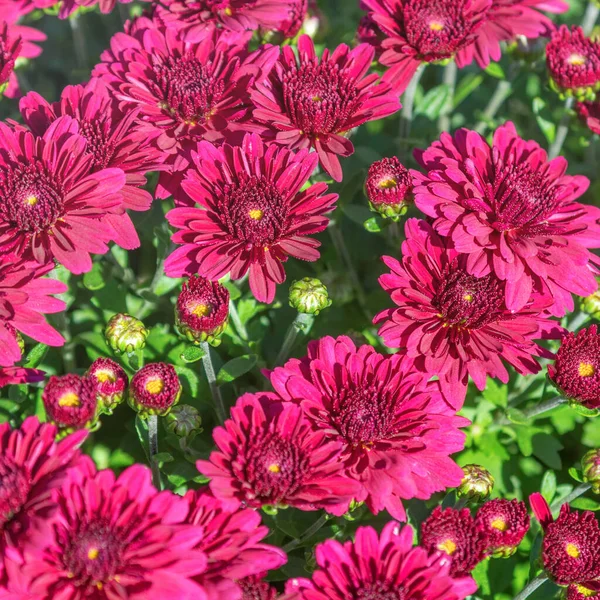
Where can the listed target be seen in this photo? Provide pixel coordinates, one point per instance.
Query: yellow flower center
(256, 214)
(577, 60)
(586, 369)
(274, 468)
(69, 399)
(387, 184)
(201, 310)
(155, 386)
(573, 551)
(228, 11)
(436, 26)
(32, 200)
(586, 592)
(317, 98)
(448, 546)
(93, 553)
(499, 524)
(468, 297)
(103, 376)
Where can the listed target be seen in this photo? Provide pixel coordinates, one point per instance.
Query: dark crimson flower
(456, 534)
(10, 49)
(268, 454)
(582, 592)
(255, 588)
(513, 212)
(70, 402)
(571, 546)
(385, 567)
(202, 310)
(456, 325)
(576, 371)
(590, 112)
(396, 431)
(32, 464)
(389, 187)
(110, 383)
(232, 543)
(505, 523)
(116, 537)
(573, 63)
(14, 375)
(251, 214)
(312, 103)
(154, 389)
(25, 296)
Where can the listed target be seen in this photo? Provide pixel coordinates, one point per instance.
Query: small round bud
(389, 188)
(591, 304)
(591, 469)
(125, 333)
(154, 390)
(110, 381)
(505, 523)
(183, 420)
(70, 402)
(202, 310)
(309, 296)
(477, 484)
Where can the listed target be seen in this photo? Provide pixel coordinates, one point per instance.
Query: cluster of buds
(309, 296)
(125, 334)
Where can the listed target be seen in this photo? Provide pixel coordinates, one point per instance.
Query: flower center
(586, 369)
(387, 184)
(103, 376)
(70, 399)
(201, 310)
(447, 546)
(155, 386)
(577, 60)
(380, 591)
(572, 550)
(586, 592)
(15, 484)
(499, 524)
(98, 144)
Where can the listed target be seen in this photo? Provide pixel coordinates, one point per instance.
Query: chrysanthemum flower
(378, 567)
(232, 542)
(70, 401)
(251, 215)
(389, 187)
(116, 537)
(25, 296)
(368, 32)
(574, 63)
(255, 588)
(14, 375)
(456, 534)
(113, 139)
(453, 324)
(590, 112)
(268, 454)
(110, 382)
(154, 389)
(583, 592)
(576, 371)
(396, 431)
(314, 103)
(296, 14)
(513, 213)
(32, 464)
(10, 48)
(505, 523)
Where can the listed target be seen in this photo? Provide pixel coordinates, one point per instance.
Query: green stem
(461, 503)
(450, 72)
(302, 322)
(533, 585)
(239, 327)
(562, 130)
(538, 409)
(581, 489)
(308, 533)
(406, 113)
(502, 92)
(590, 17)
(81, 54)
(215, 391)
(153, 450)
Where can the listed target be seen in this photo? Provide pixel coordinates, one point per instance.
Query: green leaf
(514, 415)
(590, 413)
(192, 354)
(357, 213)
(480, 574)
(546, 448)
(189, 380)
(36, 356)
(94, 279)
(466, 86)
(495, 70)
(141, 428)
(436, 102)
(585, 504)
(496, 393)
(544, 119)
(372, 225)
(548, 487)
(163, 457)
(236, 368)
(575, 474)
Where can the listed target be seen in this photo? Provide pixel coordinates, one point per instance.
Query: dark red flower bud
(154, 390)
(110, 381)
(505, 523)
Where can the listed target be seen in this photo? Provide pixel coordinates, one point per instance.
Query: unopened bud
(309, 296)
(125, 333)
(591, 469)
(183, 420)
(477, 484)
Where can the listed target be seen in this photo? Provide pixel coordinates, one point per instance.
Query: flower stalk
(302, 323)
(215, 391)
(533, 585)
(307, 534)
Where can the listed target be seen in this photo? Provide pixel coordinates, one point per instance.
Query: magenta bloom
(25, 296)
(117, 535)
(70, 401)
(232, 542)
(297, 11)
(10, 49)
(513, 213)
(268, 453)
(312, 103)
(505, 523)
(14, 375)
(590, 113)
(251, 214)
(255, 588)
(396, 431)
(385, 566)
(453, 324)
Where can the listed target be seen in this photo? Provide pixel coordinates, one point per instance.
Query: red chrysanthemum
(110, 383)
(116, 538)
(14, 375)
(32, 464)
(232, 542)
(70, 401)
(154, 389)
(368, 32)
(268, 454)
(396, 431)
(576, 371)
(583, 592)
(291, 25)
(455, 325)
(513, 213)
(389, 184)
(10, 49)
(455, 534)
(590, 112)
(51, 204)
(255, 588)
(314, 103)
(25, 296)
(505, 523)
(251, 214)
(574, 62)
(384, 567)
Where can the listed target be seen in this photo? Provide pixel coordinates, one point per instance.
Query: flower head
(590, 112)
(297, 10)
(389, 187)
(368, 32)
(255, 588)
(268, 454)
(396, 432)
(456, 534)
(10, 48)
(573, 63)
(505, 523)
(590, 464)
(312, 103)
(380, 567)
(125, 333)
(309, 296)
(251, 214)
(576, 370)
(477, 483)
(202, 310)
(513, 212)
(583, 592)
(70, 402)
(453, 324)
(110, 382)
(154, 389)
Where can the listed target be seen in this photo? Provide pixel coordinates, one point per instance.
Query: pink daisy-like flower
(51, 204)
(251, 214)
(314, 103)
(396, 431)
(590, 113)
(385, 566)
(116, 538)
(513, 213)
(268, 454)
(296, 15)
(455, 325)
(14, 375)
(113, 139)
(10, 49)
(25, 296)
(232, 542)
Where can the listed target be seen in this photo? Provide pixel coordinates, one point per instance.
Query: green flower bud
(477, 484)
(309, 296)
(183, 420)
(591, 305)
(125, 333)
(591, 469)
